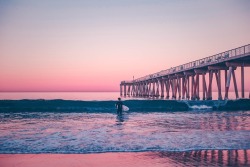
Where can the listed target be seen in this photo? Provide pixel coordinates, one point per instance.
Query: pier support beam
(228, 79)
(218, 80)
(183, 87)
(201, 72)
(149, 89)
(231, 73)
(235, 85)
(125, 93)
(242, 82)
(209, 97)
(172, 85)
(128, 93)
(179, 87)
(162, 87)
(204, 86)
(120, 89)
(167, 86)
(179, 84)
(175, 84)
(192, 88)
(216, 69)
(197, 87)
(157, 94)
(153, 91)
(189, 85)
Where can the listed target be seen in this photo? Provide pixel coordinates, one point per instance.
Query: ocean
(210, 133)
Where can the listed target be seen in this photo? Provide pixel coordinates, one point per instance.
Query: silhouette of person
(119, 106)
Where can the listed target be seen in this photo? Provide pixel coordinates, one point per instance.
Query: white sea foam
(130, 132)
(201, 107)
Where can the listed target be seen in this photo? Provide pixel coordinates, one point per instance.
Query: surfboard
(124, 108)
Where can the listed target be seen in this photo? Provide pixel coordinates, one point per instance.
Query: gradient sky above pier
(63, 45)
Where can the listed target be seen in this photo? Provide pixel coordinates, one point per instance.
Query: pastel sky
(92, 45)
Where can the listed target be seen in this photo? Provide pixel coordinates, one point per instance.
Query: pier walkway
(188, 80)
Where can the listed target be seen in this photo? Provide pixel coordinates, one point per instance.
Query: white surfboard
(124, 108)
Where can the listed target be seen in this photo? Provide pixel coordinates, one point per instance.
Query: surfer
(119, 106)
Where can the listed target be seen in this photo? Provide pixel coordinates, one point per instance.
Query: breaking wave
(109, 106)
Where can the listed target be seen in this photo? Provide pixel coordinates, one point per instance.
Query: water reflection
(204, 157)
(216, 121)
(121, 118)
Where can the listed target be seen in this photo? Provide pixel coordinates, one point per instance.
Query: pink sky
(93, 45)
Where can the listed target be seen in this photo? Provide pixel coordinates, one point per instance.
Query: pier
(188, 80)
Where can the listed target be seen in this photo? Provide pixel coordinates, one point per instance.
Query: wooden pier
(188, 80)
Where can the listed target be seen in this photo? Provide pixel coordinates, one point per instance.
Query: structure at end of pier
(187, 80)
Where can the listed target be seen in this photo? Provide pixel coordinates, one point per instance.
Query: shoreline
(131, 159)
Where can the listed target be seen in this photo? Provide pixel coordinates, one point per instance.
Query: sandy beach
(145, 159)
(88, 160)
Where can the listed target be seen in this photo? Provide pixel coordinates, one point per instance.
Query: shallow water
(36, 132)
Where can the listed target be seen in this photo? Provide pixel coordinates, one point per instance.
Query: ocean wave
(59, 105)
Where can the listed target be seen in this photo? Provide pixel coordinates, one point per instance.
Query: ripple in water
(131, 132)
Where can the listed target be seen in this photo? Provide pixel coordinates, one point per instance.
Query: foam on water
(67, 132)
(201, 107)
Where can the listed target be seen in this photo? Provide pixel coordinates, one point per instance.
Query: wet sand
(144, 159)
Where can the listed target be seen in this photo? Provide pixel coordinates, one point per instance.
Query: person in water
(119, 106)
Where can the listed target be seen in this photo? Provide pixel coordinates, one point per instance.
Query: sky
(93, 45)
